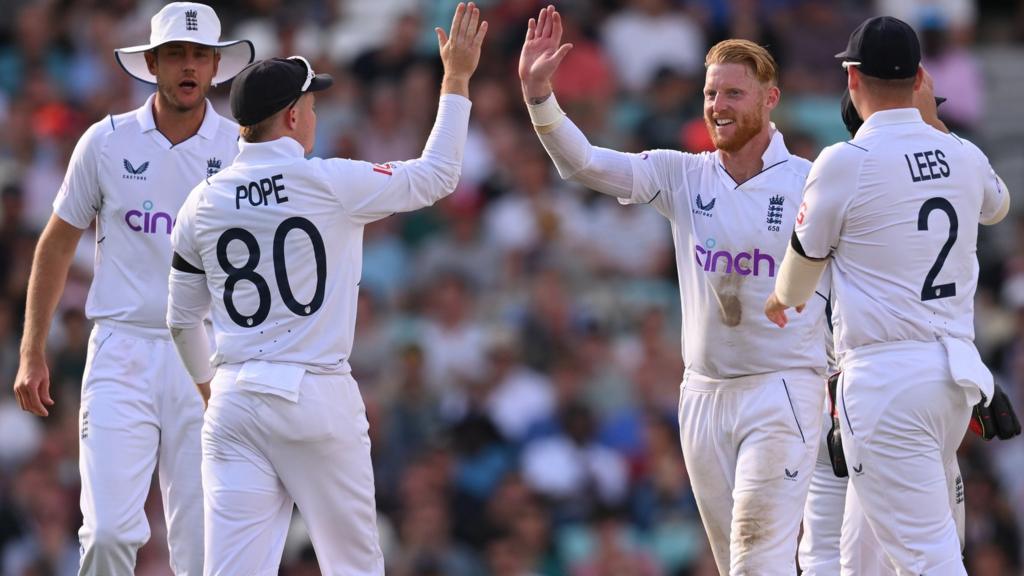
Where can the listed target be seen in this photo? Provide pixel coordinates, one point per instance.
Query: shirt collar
(890, 117)
(775, 153)
(208, 129)
(269, 152)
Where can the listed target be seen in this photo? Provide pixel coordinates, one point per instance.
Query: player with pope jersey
(274, 245)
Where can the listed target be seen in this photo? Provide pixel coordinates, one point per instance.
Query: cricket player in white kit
(751, 398)
(896, 210)
(130, 173)
(274, 243)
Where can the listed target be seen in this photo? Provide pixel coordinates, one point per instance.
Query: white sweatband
(194, 349)
(798, 277)
(547, 115)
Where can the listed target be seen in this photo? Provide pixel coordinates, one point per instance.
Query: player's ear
(918, 78)
(772, 96)
(852, 78)
(150, 56)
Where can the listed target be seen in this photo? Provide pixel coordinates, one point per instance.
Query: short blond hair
(754, 57)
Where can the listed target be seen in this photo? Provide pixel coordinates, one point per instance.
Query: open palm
(542, 52)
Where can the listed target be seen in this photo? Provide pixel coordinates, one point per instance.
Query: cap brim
(234, 56)
(845, 55)
(320, 82)
(939, 100)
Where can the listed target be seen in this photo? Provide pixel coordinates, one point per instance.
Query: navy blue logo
(702, 208)
(191, 20)
(859, 469)
(212, 167)
(774, 218)
(134, 173)
(791, 475)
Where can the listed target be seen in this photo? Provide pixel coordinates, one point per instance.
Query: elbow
(1003, 210)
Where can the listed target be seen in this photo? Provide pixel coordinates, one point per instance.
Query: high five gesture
(460, 49)
(542, 53)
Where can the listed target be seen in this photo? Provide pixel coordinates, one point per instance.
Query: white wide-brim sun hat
(187, 22)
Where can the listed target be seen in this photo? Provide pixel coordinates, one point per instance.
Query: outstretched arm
(598, 168)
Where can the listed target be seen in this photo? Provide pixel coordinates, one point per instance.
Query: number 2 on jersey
(247, 271)
(930, 291)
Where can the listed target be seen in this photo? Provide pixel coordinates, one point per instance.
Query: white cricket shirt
(128, 177)
(279, 238)
(897, 208)
(730, 240)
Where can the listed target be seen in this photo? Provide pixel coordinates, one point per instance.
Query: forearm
(50, 265)
(604, 170)
(194, 349)
(798, 277)
(436, 173)
(188, 302)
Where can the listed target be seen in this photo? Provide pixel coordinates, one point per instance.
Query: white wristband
(547, 115)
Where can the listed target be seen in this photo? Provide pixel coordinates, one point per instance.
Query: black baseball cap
(266, 86)
(884, 47)
(851, 118)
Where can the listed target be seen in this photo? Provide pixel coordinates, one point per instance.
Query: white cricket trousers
(139, 410)
(823, 521)
(263, 454)
(902, 419)
(750, 444)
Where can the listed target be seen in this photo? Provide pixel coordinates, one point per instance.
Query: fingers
(469, 24)
(29, 400)
(542, 19)
(531, 29)
(478, 40)
(556, 27)
(546, 26)
(460, 12)
(442, 38)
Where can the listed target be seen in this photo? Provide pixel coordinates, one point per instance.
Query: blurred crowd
(517, 344)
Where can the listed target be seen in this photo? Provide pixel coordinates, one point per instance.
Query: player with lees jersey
(751, 398)
(896, 211)
(274, 244)
(130, 173)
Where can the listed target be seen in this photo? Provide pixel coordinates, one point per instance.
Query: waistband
(698, 382)
(896, 346)
(135, 330)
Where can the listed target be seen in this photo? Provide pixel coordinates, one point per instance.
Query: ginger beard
(732, 137)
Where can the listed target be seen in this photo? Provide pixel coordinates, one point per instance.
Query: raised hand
(460, 49)
(542, 53)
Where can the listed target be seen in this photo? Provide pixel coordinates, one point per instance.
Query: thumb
(442, 38)
(562, 51)
(44, 392)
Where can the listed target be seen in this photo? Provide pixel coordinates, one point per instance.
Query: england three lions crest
(774, 216)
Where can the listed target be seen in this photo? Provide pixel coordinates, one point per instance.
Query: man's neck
(177, 126)
(745, 163)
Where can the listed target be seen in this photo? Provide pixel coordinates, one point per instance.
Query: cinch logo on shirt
(148, 222)
(742, 263)
(134, 173)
